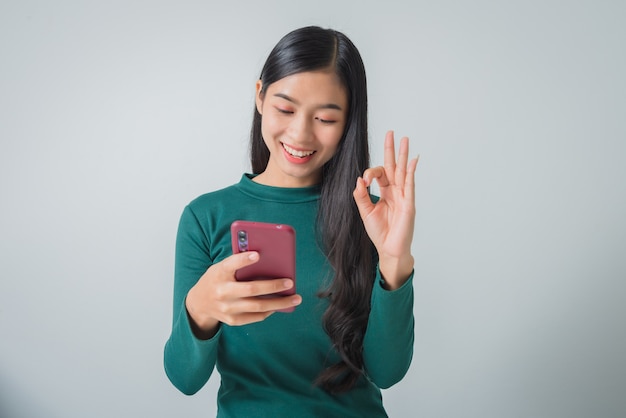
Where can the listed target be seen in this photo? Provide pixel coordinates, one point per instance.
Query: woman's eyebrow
(294, 101)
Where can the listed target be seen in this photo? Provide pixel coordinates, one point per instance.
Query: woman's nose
(300, 128)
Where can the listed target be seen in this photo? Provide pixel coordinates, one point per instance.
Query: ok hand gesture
(390, 221)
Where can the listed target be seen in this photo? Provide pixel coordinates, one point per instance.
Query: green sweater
(267, 368)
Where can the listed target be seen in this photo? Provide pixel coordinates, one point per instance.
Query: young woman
(351, 332)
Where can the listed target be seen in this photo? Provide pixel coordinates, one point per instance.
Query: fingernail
(287, 284)
(253, 256)
(296, 300)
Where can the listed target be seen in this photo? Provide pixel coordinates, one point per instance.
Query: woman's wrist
(395, 271)
(204, 329)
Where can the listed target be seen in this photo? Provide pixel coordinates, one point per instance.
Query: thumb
(362, 198)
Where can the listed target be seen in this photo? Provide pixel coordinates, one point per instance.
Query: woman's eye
(325, 121)
(284, 111)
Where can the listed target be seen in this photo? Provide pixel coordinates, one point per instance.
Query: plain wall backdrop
(114, 115)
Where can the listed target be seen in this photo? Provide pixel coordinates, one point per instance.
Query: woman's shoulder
(219, 197)
(215, 199)
(211, 206)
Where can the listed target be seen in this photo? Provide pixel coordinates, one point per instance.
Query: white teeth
(296, 153)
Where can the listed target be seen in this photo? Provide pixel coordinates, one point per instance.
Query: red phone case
(276, 245)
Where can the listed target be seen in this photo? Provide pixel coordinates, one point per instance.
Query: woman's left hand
(390, 221)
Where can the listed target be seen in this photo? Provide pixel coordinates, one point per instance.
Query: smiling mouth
(295, 153)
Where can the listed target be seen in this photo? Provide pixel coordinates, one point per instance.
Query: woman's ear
(259, 97)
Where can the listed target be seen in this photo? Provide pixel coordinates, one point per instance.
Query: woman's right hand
(219, 297)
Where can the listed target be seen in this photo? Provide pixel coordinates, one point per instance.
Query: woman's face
(303, 118)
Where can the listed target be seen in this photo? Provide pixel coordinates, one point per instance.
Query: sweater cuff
(380, 282)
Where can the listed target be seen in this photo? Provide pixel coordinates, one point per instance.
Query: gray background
(114, 115)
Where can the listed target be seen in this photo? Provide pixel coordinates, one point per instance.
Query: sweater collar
(277, 194)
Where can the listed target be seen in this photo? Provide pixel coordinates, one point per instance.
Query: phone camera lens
(242, 237)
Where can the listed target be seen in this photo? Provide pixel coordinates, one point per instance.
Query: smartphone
(276, 245)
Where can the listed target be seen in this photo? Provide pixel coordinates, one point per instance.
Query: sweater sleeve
(388, 344)
(189, 361)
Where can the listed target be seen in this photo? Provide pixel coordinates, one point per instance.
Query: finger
(409, 185)
(390, 155)
(362, 198)
(403, 158)
(257, 310)
(253, 288)
(377, 173)
(270, 304)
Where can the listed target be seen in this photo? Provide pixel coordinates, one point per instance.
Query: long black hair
(342, 234)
